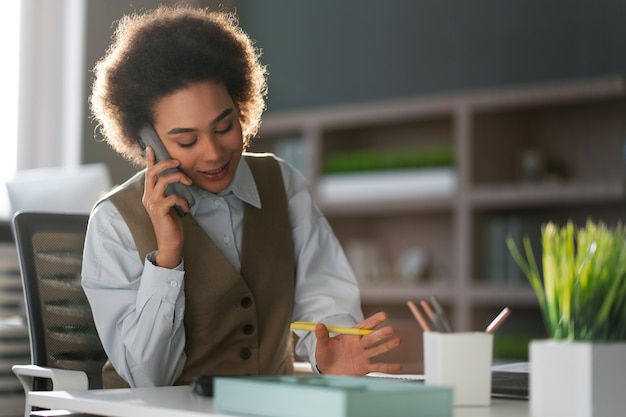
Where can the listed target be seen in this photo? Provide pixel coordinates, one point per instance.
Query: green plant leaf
(582, 288)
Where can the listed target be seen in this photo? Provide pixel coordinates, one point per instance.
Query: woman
(212, 291)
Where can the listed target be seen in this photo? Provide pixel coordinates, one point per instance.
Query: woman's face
(199, 125)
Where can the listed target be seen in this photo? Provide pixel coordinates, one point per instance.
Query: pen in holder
(434, 318)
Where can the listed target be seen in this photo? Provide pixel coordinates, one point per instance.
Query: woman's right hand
(168, 226)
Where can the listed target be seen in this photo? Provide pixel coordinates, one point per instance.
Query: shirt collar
(243, 186)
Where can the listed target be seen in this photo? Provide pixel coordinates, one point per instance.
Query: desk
(182, 402)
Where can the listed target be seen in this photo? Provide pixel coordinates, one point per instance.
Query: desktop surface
(183, 402)
(129, 402)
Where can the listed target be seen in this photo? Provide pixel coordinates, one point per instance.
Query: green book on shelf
(330, 396)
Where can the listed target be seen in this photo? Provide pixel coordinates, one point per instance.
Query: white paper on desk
(402, 377)
(521, 367)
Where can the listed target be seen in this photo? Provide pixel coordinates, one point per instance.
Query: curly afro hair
(157, 53)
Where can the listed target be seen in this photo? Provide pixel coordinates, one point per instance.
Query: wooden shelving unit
(522, 156)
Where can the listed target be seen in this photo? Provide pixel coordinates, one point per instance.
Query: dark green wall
(329, 52)
(325, 52)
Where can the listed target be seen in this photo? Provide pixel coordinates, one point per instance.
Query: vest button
(246, 302)
(248, 329)
(245, 354)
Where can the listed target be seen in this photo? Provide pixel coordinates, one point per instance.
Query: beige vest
(235, 323)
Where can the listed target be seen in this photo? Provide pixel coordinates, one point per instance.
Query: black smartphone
(149, 137)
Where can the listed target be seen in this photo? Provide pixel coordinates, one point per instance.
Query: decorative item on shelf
(365, 257)
(392, 185)
(499, 267)
(381, 160)
(361, 176)
(497, 263)
(412, 264)
(581, 370)
(539, 167)
(532, 165)
(556, 169)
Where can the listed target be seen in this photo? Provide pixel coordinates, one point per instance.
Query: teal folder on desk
(330, 396)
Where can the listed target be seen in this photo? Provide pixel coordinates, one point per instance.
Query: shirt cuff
(162, 282)
(309, 342)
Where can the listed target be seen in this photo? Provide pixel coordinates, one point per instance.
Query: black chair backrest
(61, 328)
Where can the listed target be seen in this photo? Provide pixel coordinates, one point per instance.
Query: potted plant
(581, 288)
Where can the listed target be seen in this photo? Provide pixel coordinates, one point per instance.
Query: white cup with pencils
(461, 360)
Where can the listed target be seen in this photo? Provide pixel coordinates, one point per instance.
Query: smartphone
(149, 137)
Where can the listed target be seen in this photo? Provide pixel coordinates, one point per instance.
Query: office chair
(66, 352)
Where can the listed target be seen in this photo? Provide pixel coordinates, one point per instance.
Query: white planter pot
(577, 379)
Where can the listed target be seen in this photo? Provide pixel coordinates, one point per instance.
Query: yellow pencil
(310, 327)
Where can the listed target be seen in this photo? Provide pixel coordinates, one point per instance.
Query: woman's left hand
(350, 355)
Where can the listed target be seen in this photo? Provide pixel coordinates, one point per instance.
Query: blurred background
(318, 54)
(430, 131)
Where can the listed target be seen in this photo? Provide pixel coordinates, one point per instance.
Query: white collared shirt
(139, 308)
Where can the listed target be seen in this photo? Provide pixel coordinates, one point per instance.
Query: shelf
(486, 295)
(492, 197)
(480, 294)
(400, 293)
(444, 105)
(548, 193)
(520, 156)
(384, 207)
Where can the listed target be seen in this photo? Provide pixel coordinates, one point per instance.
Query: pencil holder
(461, 361)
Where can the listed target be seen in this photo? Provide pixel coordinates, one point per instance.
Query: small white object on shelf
(386, 185)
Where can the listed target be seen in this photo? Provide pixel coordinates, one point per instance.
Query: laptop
(510, 380)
